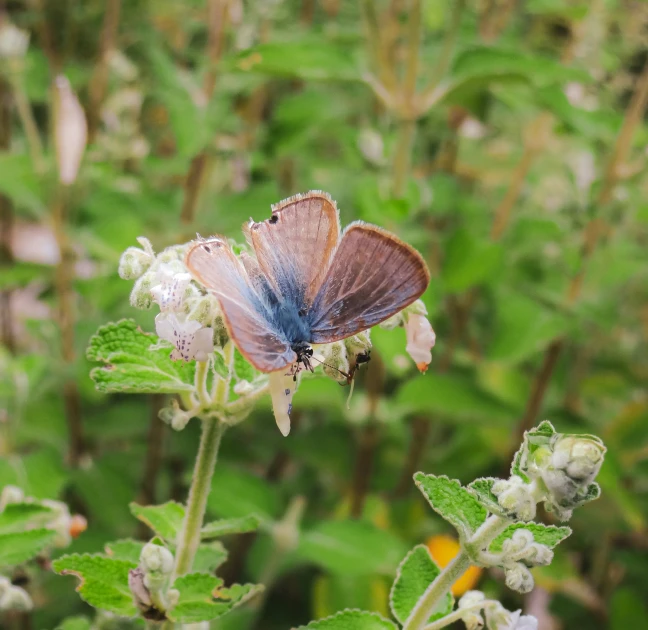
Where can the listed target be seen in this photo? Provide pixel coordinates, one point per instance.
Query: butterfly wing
(213, 263)
(373, 276)
(295, 246)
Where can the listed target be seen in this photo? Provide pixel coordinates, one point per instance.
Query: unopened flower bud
(358, 344)
(472, 618)
(156, 559)
(141, 296)
(141, 594)
(242, 388)
(580, 457)
(175, 417)
(15, 598)
(393, 322)
(516, 498)
(336, 361)
(420, 340)
(520, 540)
(519, 578)
(133, 263)
(203, 308)
(61, 523)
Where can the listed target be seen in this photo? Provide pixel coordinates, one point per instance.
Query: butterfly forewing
(373, 276)
(295, 246)
(213, 263)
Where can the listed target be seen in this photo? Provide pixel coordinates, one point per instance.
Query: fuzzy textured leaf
(104, 581)
(209, 557)
(18, 547)
(17, 517)
(127, 549)
(226, 526)
(549, 535)
(165, 520)
(352, 620)
(452, 501)
(202, 597)
(132, 365)
(482, 490)
(417, 571)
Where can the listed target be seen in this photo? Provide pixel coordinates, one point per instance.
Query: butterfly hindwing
(213, 263)
(295, 246)
(373, 276)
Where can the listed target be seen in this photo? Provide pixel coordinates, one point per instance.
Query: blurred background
(505, 140)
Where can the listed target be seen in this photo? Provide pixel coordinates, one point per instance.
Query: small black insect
(362, 357)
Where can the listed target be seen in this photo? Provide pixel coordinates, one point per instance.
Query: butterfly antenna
(345, 374)
(348, 401)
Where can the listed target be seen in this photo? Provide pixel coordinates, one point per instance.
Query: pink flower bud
(70, 131)
(420, 340)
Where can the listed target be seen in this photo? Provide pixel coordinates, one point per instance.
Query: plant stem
(445, 56)
(29, 126)
(457, 615)
(414, 33)
(212, 432)
(200, 380)
(420, 615)
(99, 80)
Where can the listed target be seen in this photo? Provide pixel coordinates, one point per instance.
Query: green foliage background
(522, 176)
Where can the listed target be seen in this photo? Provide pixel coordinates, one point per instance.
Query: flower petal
(282, 390)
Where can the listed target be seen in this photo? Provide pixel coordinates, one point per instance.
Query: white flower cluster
(13, 597)
(496, 616)
(516, 497)
(189, 318)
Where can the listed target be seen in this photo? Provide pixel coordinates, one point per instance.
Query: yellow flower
(443, 549)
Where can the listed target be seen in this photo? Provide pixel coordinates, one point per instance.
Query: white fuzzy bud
(336, 361)
(516, 498)
(358, 344)
(242, 388)
(203, 308)
(472, 618)
(393, 322)
(580, 457)
(157, 559)
(61, 523)
(133, 263)
(518, 578)
(14, 42)
(141, 296)
(371, 145)
(15, 598)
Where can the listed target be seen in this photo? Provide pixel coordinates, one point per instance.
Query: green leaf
(228, 526)
(469, 261)
(202, 597)
(20, 182)
(209, 557)
(314, 60)
(18, 547)
(491, 62)
(351, 548)
(244, 370)
(17, 517)
(453, 502)
(75, 623)
(549, 535)
(126, 549)
(523, 328)
(482, 490)
(415, 573)
(165, 520)
(104, 581)
(352, 620)
(237, 493)
(454, 396)
(132, 365)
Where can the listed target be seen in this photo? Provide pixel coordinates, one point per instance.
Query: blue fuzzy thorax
(288, 317)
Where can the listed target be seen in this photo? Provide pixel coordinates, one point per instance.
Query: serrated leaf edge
(375, 615)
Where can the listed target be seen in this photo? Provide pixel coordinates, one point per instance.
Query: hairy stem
(403, 156)
(212, 432)
(420, 615)
(457, 615)
(30, 128)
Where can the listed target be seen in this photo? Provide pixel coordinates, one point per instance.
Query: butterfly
(306, 284)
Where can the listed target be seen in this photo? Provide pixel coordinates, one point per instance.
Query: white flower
(282, 389)
(190, 338)
(15, 598)
(472, 617)
(70, 130)
(420, 340)
(156, 559)
(170, 291)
